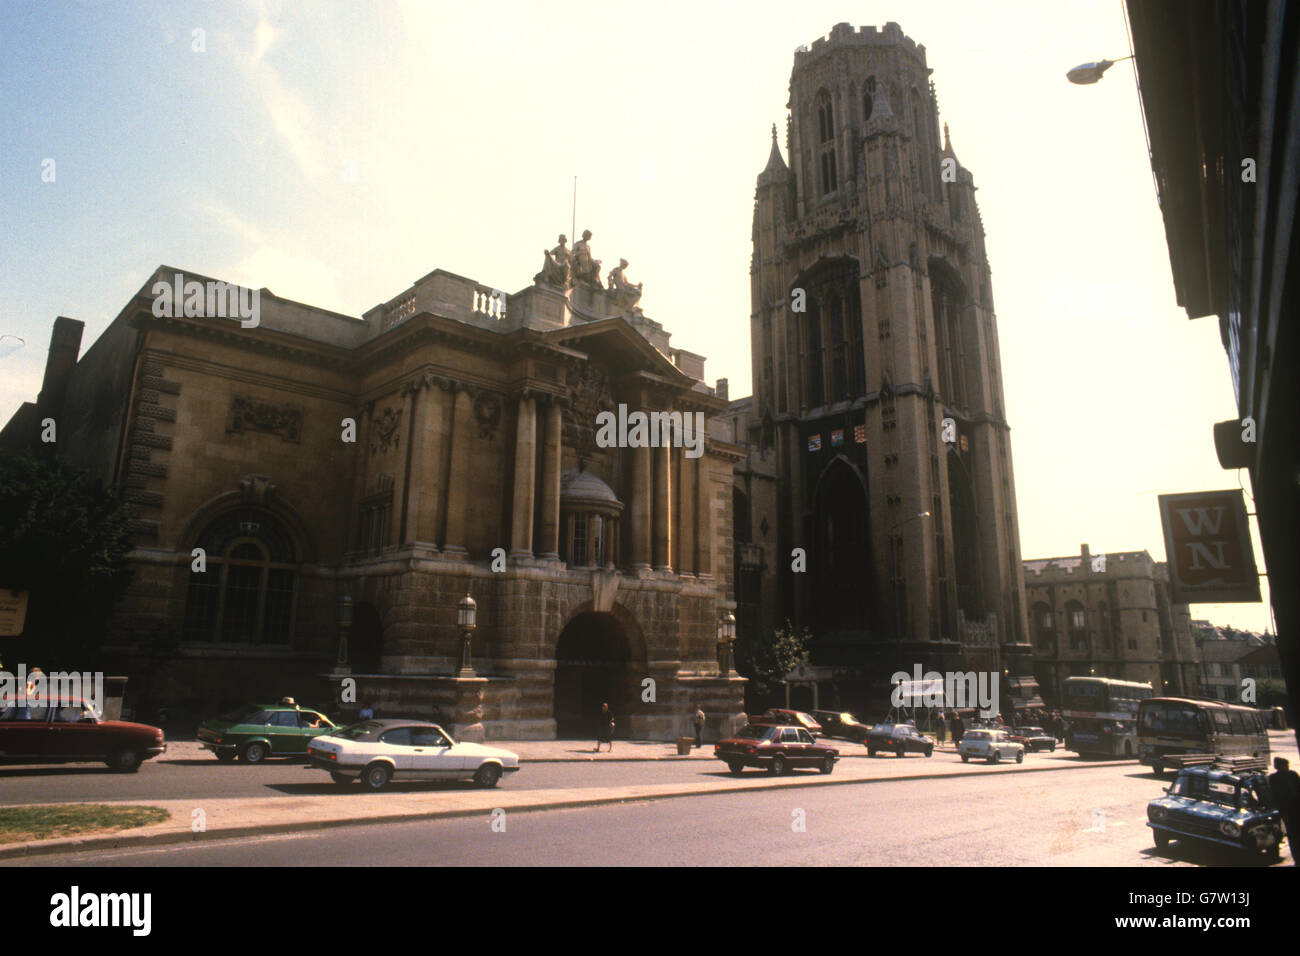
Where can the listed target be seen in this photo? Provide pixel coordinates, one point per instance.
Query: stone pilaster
(362, 447)
(458, 490)
(640, 509)
(686, 516)
(521, 523)
(703, 517)
(663, 500)
(424, 490)
(549, 507)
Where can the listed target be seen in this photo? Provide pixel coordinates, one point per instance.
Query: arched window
(948, 300)
(245, 594)
(868, 98)
(832, 337)
(1043, 626)
(826, 141)
(1076, 619)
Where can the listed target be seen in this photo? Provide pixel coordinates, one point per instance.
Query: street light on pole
(466, 615)
(893, 556)
(1086, 73)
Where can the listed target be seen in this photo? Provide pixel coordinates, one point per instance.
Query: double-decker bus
(1101, 715)
(1180, 725)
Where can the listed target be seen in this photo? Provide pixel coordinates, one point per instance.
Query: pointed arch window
(868, 98)
(832, 339)
(826, 142)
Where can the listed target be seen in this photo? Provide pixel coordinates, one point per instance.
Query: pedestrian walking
(942, 729)
(1284, 785)
(958, 729)
(605, 728)
(698, 720)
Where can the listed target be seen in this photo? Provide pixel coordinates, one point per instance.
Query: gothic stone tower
(872, 324)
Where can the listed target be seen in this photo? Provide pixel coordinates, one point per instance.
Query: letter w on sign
(1208, 547)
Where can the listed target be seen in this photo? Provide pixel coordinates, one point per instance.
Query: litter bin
(684, 745)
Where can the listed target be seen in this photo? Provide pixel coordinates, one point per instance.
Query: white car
(990, 745)
(376, 751)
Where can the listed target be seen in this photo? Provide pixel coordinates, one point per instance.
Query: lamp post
(345, 624)
(727, 639)
(466, 615)
(1086, 73)
(893, 557)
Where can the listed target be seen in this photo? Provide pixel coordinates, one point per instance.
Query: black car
(841, 724)
(899, 739)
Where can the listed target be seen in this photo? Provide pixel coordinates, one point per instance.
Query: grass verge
(20, 824)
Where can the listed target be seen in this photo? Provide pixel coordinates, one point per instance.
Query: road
(1092, 816)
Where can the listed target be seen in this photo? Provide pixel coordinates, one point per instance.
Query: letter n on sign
(1207, 544)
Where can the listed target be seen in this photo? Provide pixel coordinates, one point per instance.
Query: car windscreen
(1174, 720)
(355, 731)
(1202, 788)
(753, 733)
(976, 735)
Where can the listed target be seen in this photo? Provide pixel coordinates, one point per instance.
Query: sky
(334, 152)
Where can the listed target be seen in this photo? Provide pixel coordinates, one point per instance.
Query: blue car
(1218, 806)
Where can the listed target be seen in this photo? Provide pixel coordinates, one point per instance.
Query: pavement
(211, 819)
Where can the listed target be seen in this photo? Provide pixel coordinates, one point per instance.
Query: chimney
(1086, 555)
(65, 343)
(720, 389)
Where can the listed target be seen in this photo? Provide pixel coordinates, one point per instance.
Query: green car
(258, 731)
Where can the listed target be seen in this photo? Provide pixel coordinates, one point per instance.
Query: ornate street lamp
(466, 615)
(345, 625)
(727, 640)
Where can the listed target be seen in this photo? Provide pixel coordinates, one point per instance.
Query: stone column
(462, 424)
(686, 516)
(362, 448)
(423, 491)
(549, 507)
(703, 517)
(521, 522)
(663, 477)
(640, 509)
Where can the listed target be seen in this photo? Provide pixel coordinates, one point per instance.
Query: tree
(64, 539)
(766, 660)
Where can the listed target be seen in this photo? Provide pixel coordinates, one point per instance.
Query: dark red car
(70, 731)
(775, 748)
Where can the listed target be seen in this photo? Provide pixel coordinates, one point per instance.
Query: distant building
(1108, 615)
(1230, 656)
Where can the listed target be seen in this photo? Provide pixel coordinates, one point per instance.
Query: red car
(775, 748)
(70, 731)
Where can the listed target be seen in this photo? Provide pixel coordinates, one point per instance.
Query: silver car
(991, 745)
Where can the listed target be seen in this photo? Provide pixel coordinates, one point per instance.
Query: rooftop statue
(556, 266)
(625, 293)
(585, 269)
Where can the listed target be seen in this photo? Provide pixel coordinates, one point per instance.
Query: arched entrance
(843, 587)
(591, 668)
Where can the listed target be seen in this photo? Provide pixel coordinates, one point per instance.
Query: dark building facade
(1220, 84)
(879, 445)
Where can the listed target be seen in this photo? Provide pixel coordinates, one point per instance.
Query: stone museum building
(876, 433)
(1109, 615)
(349, 480)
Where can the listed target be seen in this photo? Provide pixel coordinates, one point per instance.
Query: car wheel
(778, 766)
(1052, 749)
(1162, 838)
(1159, 769)
(254, 752)
(341, 779)
(871, 751)
(487, 775)
(377, 775)
(1020, 757)
(828, 764)
(995, 757)
(736, 768)
(929, 751)
(225, 756)
(965, 758)
(125, 761)
(900, 752)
